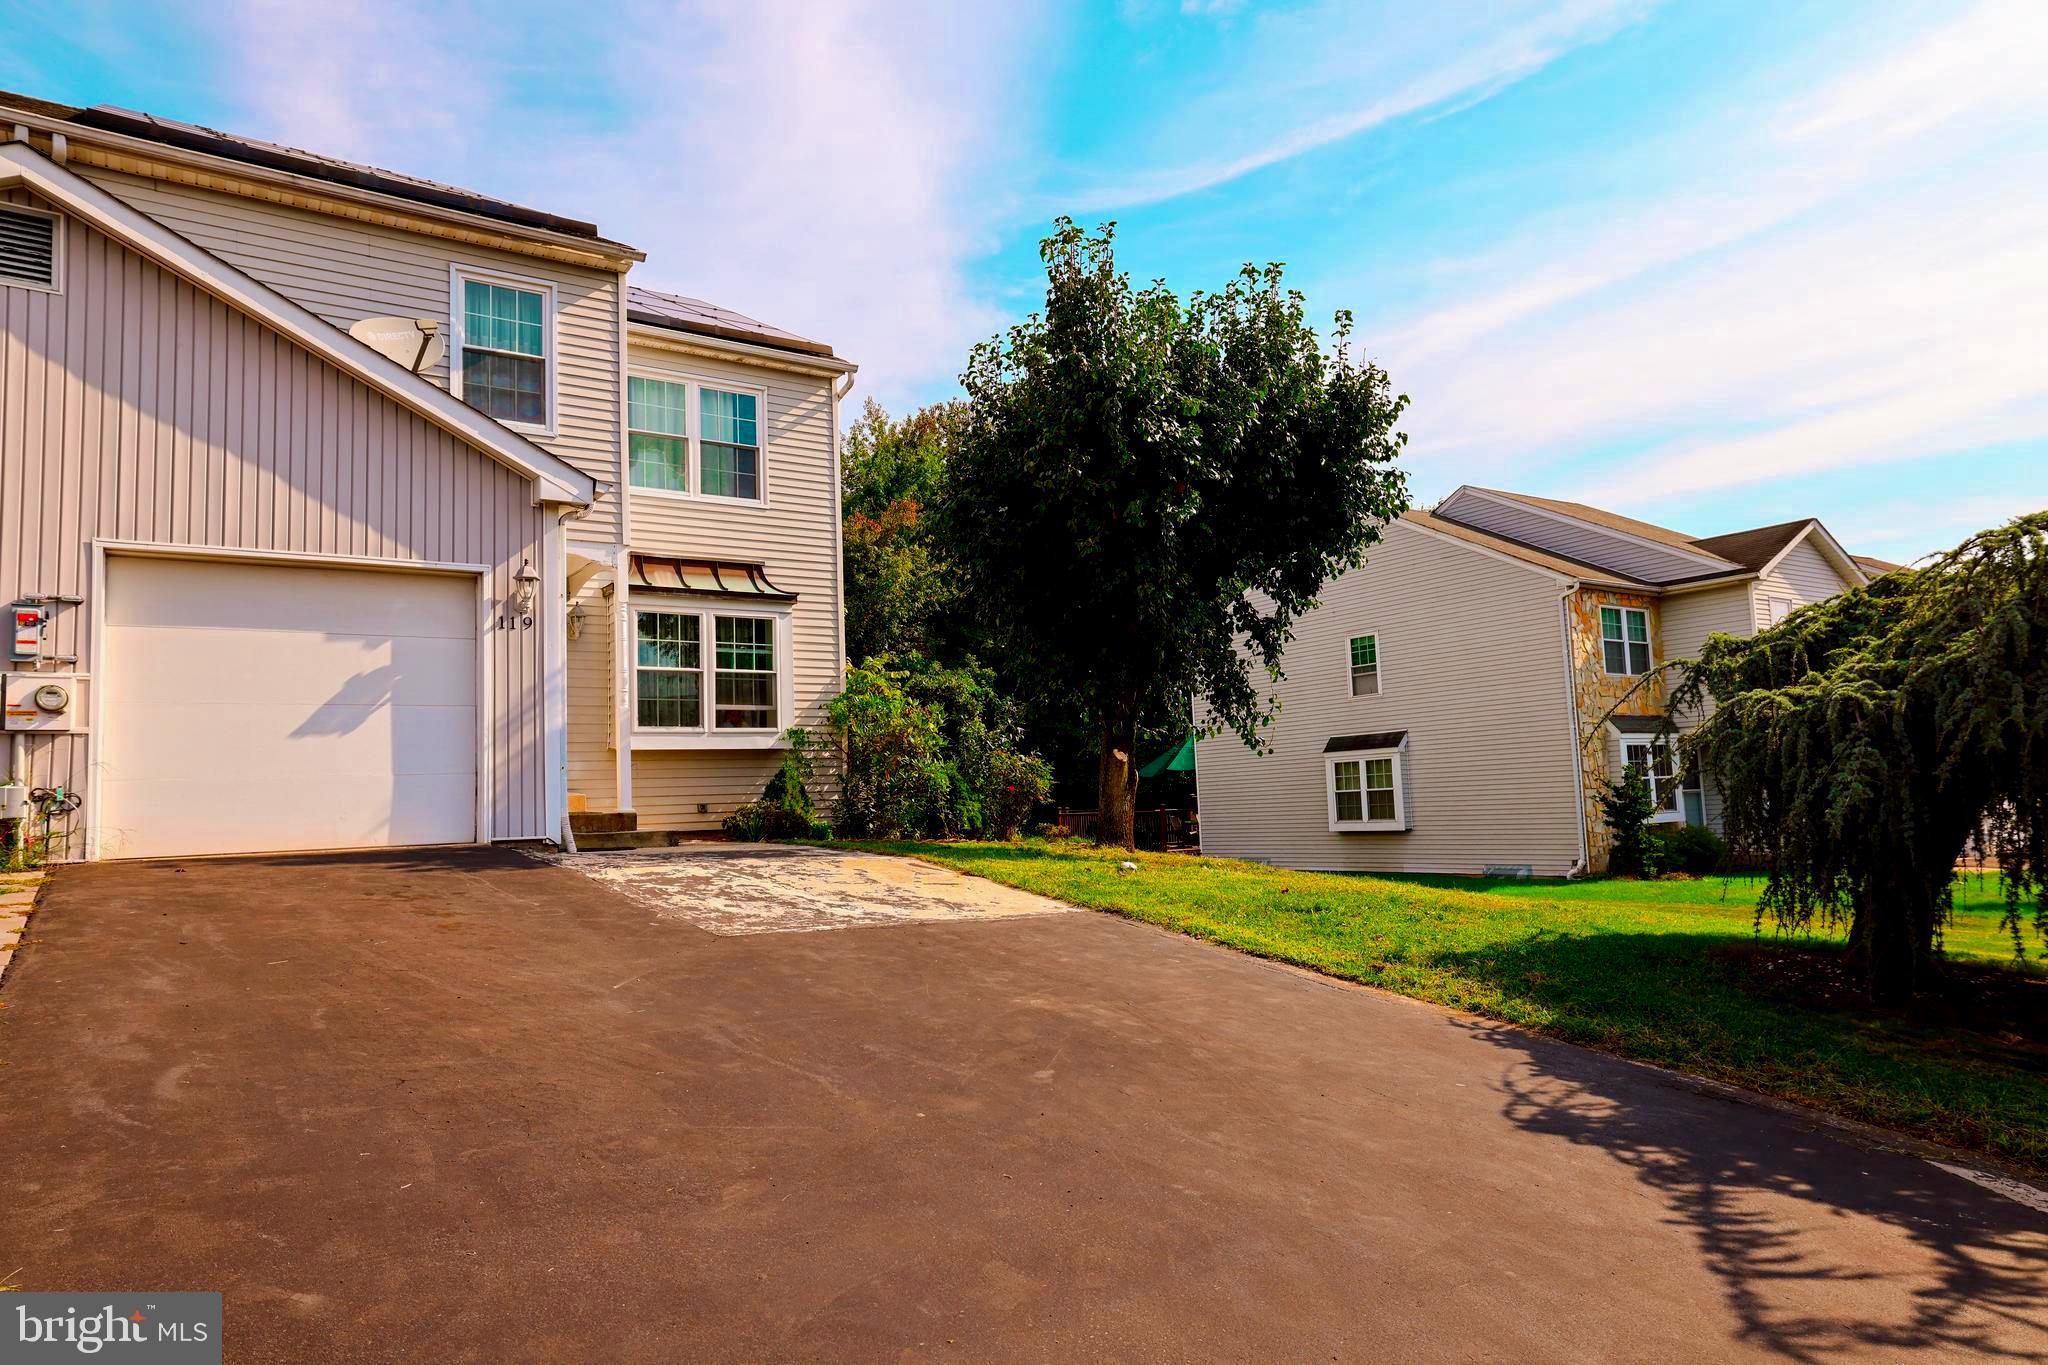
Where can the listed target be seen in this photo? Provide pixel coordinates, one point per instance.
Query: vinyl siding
(593, 773)
(794, 536)
(1573, 539)
(1802, 577)
(346, 270)
(1472, 667)
(1689, 618)
(133, 406)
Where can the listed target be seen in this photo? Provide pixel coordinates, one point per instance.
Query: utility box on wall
(26, 620)
(43, 702)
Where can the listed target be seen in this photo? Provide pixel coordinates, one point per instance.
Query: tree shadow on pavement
(1761, 1194)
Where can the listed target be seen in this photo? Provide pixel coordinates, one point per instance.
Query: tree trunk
(1116, 792)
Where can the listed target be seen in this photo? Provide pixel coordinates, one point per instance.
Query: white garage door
(252, 708)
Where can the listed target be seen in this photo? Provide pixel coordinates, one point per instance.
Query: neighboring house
(1446, 706)
(301, 596)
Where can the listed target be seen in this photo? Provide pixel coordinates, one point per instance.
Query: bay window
(1364, 789)
(744, 663)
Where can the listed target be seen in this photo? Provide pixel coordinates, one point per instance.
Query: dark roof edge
(796, 346)
(1384, 739)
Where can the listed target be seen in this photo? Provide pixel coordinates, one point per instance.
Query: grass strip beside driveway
(1659, 971)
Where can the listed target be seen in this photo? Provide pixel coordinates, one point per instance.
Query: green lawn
(1643, 969)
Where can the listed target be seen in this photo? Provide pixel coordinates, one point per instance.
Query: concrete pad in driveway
(788, 888)
(466, 1106)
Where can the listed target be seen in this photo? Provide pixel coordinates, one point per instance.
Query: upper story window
(731, 458)
(31, 247)
(1365, 665)
(658, 434)
(693, 437)
(505, 335)
(1777, 608)
(1625, 639)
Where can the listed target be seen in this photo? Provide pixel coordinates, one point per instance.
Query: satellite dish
(413, 342)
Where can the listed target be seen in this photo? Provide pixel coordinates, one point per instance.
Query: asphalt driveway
(473, 1106)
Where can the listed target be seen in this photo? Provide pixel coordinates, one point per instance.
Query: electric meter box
(45, 702)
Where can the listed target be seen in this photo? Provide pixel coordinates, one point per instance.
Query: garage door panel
(165, 741)
(234, 668)
(208, 595)
(281, 814)
(250, 707)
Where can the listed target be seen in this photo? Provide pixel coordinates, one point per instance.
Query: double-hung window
(671, 661)
(730, 443)
(1365, 665)
(1654, 757)
(1364, 790)
(658, 434)
(668, 681)
(506, 335)
(1625, 640)
(688, 436)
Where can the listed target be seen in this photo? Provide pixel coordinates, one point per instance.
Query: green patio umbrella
(1179, 759)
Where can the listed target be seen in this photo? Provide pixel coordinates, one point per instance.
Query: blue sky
(1714, 265)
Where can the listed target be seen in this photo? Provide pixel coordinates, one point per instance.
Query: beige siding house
(1453, 705)
(280, 586)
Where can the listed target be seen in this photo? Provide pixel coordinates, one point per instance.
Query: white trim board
(555, 480)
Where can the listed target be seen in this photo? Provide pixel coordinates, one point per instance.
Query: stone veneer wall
(1596, 693)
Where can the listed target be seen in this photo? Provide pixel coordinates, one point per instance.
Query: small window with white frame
(1364, 789)
(696, 438)
(503, 364)
(1365, 665)
(1777, 608)
(1657, 761)
(1625, 640)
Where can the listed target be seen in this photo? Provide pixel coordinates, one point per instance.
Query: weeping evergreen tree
(1867, 743)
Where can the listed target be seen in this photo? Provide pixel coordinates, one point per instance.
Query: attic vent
(28, 248)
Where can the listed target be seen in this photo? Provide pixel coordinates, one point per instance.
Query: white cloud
(1294, 86)
(1852, 286)
(827, 169)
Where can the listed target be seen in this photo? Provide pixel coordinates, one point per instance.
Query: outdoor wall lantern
(525, 587)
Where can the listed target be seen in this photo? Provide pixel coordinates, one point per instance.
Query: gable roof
(681, 313)
(1596, 516)
(555, 480)
(1873, 566)
(1521, 550)
(1756, 548)
(195, 137)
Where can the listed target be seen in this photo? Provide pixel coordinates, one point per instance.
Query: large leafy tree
(901, 590)
(1143, 484)
(1867, 743)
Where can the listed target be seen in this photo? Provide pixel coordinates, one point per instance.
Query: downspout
(557, 635)
(1571, 715)
(841, 387)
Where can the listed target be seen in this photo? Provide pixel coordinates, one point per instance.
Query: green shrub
(1627, 804)
(928, 750)
(1692, 849)
(785, 810)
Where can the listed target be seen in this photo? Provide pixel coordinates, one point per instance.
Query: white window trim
(1379, 665)
(704, 735)
(57, 222)
(693, 458)
(1660, 816)
(460, 274)
(1649, 640)
(1330, 761)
